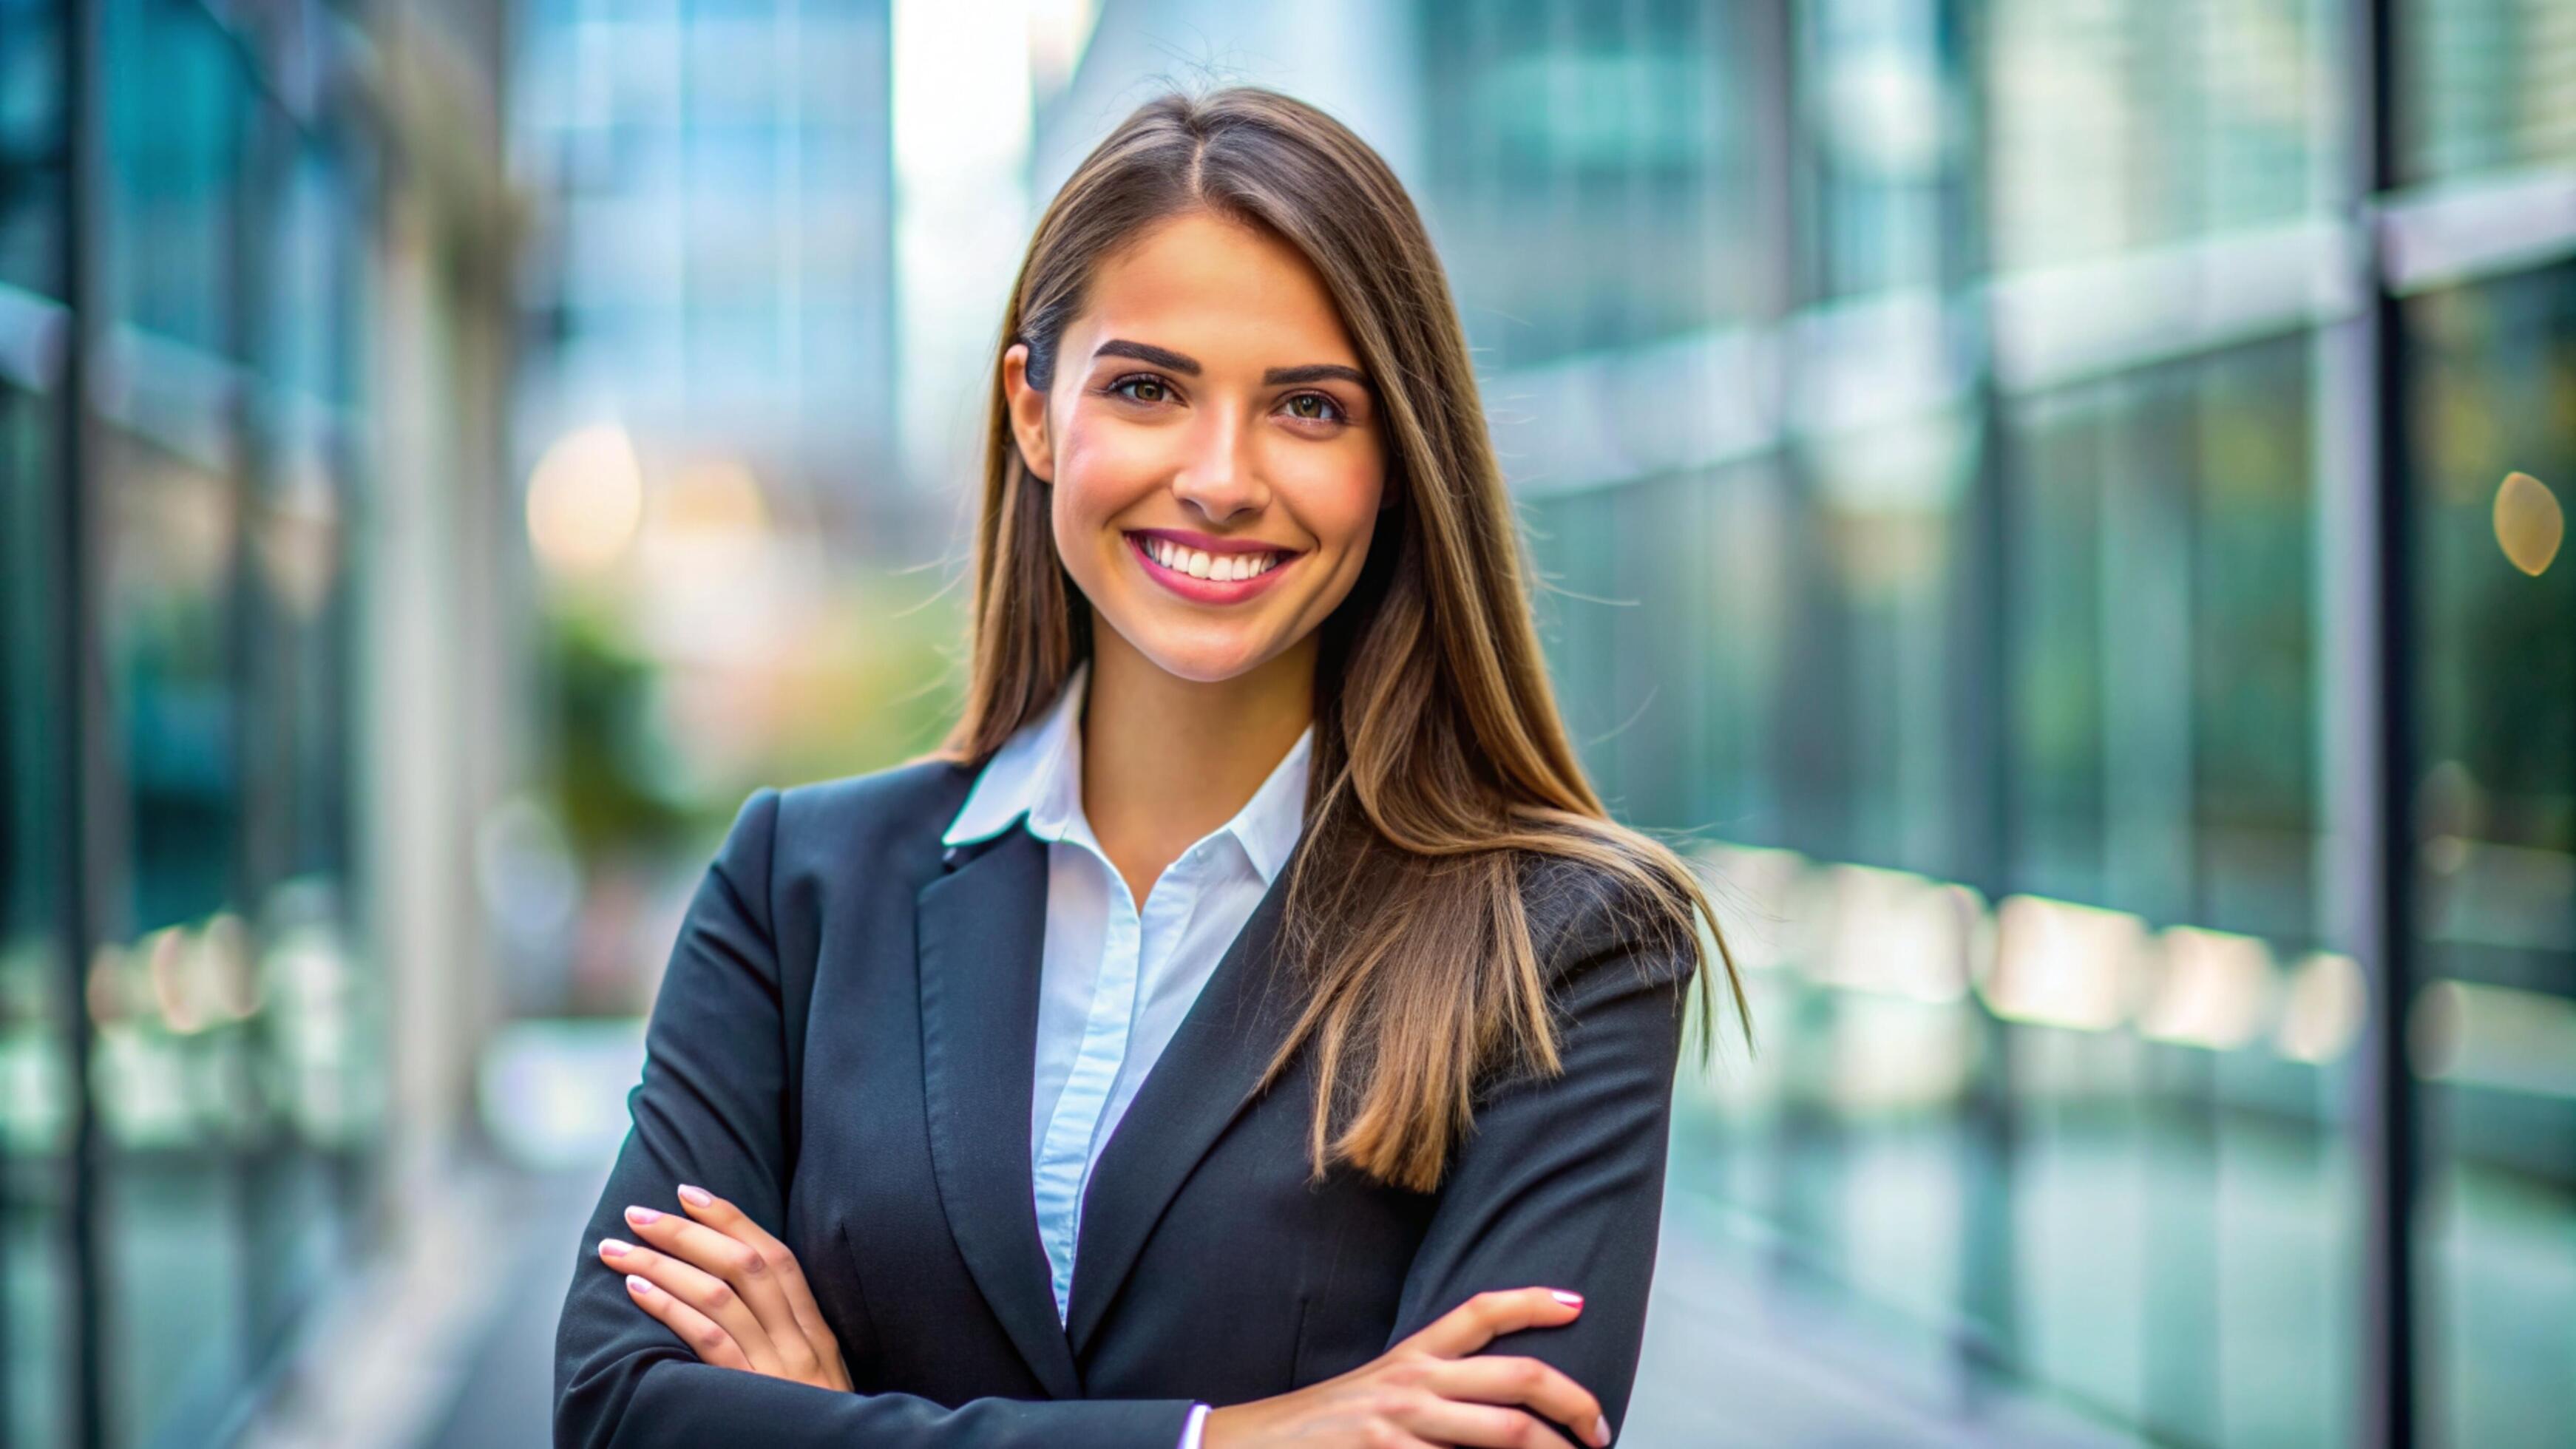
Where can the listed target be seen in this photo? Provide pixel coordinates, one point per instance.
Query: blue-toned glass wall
(712, 270)
(708, 312)
(2484, 277)
(1935, 421)
(192, 982)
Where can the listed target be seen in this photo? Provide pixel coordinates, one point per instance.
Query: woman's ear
(1028, 414)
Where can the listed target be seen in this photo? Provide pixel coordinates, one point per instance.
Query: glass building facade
(2033, 491)
(194, 1081)
(712, 265)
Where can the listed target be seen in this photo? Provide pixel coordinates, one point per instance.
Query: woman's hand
(1431, 1389)
(733, 1293)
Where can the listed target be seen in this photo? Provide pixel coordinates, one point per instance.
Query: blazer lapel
(982, 942)
(1200, 1083)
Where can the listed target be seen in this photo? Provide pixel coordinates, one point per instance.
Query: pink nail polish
(1601, 1429)
(695, 1196)
(1562, 1296)
(637, 1282)
(639, 1216)
(614, 1247)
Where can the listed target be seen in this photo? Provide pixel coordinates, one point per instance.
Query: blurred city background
(2057, 502)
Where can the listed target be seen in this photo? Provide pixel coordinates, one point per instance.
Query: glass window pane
(2492, 1028)
(2483, 86)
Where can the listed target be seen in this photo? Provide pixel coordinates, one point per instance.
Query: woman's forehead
(1218, 291)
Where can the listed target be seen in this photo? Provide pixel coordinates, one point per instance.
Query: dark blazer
(844, 1045)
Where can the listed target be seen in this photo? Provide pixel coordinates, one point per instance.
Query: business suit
(842, 1046)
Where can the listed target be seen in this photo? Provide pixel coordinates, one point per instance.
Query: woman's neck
(1165, 760)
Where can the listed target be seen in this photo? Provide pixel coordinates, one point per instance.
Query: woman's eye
(1160, 393)
(1328, 411)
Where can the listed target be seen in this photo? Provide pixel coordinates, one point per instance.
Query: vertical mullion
(83, 760)
(2373, 794)
(11, 170)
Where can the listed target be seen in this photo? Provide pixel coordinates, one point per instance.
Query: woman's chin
(1209, 656)
(1204, 666)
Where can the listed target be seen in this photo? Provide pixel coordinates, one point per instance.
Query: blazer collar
(982, 932)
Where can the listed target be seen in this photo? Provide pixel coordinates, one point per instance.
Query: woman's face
(1212, 446)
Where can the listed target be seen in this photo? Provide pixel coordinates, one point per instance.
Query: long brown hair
(1440, 769)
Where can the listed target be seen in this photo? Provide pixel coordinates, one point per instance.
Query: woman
(1258, 885)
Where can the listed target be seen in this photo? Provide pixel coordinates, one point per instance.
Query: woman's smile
(1227, 574)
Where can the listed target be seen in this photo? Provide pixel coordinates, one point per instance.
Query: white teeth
(1222, 568)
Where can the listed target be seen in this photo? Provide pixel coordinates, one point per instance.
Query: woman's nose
(1220, 477)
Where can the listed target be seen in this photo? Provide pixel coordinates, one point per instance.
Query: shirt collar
(1038, 773)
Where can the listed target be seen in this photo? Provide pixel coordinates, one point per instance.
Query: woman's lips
(1207, 591)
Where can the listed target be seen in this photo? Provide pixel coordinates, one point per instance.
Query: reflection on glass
(2492, 1026)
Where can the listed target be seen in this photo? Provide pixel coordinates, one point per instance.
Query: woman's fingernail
(695, 1196)
(1562, 1296)
(614, 1247)
(638, 1283)
(1601, 1429)
(639, 1216)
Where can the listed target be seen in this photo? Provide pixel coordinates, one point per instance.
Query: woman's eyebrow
(1148, 352)
(1314, 372)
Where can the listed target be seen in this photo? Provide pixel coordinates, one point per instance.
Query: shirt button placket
(1104, 1045)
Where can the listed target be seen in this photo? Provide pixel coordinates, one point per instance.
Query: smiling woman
(1257, 893)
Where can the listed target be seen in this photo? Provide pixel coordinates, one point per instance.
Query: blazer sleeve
(1560, 1184)
(711, 1110)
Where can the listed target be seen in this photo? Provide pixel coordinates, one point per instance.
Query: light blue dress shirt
(1115, 980)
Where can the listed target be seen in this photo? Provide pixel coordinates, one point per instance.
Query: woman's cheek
(1100, 473)
(1339, 501)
